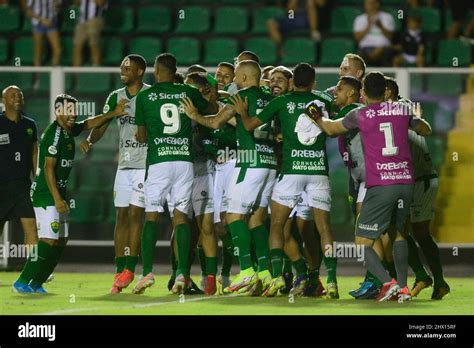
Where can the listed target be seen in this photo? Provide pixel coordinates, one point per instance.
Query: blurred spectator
(89, 29)
(373, 32)
(411, 44)
(306, 14)
(459, 11)
(44, 20)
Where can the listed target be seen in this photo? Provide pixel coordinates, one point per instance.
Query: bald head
(12, 99)
(247, 74)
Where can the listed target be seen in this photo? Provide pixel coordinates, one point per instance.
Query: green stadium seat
(238, 2)
(431, 19)
(66, 50)
(3, 50)
(27, 27)
(448, 19)
(113, 50)
(119, 20)
(231, 20)
(70, 19)
(220, 50)
(324, 81)
(23, 49)
(437, 147)
(193, 20)
(10, 18)
(38, 110)
(445, 84)
(429, 110)
(265, 48)
(148, 47)
(361, 3)
(88, 208)
(297, 50)
(332, 50)
(89, 83)
(186, 50)
(22, 80)
(153, 19)
(394, 12)
(342, 20)
(448, 50)
(97, 176)
(416, 84)
(261, 17)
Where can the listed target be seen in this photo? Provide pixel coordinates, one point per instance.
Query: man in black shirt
(411, 44)
(18, 157)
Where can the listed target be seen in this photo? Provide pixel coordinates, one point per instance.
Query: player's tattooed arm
(328, 126)
(241, 107)
(211, 121)
(97, 121)
(50, 176)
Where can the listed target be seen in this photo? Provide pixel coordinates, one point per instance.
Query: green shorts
(383, 205)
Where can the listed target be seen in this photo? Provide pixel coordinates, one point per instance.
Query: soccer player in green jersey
(304, 169)
(167, 130)
(129, 196)
(48, 192)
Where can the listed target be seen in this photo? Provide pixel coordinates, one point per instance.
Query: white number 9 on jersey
(169, 114)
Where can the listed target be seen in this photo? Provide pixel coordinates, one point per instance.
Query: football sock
(131, 263)
(174, 262)
(227, 253)
(300, 267)
(241, 239)
(48, 266)
(276, 258)
(287, 264)
(313, 276)
(211, 265)
(373, 264)
(431, 252)
(414, 260)
(371, 278)
(33, 264)
(331, 265)
(149, 238)
(400, 256)
(260, 235)
(120, 262)
(202, 260)
(183, 239)
(390, 267)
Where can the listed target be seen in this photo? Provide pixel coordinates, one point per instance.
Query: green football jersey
(58, 143)
(304, 145)
(255, 149)
(168, 128)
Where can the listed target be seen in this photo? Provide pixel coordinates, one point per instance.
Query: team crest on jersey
(140, 186)
(291, 107)
(152, 96)
(106, 108)
(29, 131)
(52, 150)
(69, 147)
(55, 226)
(370, 113)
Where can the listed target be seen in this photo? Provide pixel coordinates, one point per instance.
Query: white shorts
(424, 198)
(221, 187)
(173, 178)
(51, 224)
(290, 187)
(250, 188)
(302, 209)
(203, 194)
(129, 188)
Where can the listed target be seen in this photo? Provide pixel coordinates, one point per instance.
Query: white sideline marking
(141, 305)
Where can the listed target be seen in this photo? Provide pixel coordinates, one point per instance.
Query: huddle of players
(158, 144)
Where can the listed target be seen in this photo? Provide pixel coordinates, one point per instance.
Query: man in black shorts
(18, 156)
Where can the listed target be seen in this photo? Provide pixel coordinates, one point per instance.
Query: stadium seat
(445, 84)
(97, 176)
(119, 20)
(342, 20)
(193, 20)
(26, 27)
(113, 50)
(66, 50)
(324, 81)
(431, 19)
(90, 83)
(70, 19)
(238, 2)
(88, 208)
(429, 113)
(437, 147)
(332, 50)
(3, 50)
(231, 20)
(23, 80)
(448, 19)
(10, 18)
(297, 50)
(23, 49)
(416, 84)
(265, 48)
(450, 49)
(186, 50)
(38, 110)
(220, 50)
(261, 17)
(397, 21)
(153, 19)
(361, 2)
(148, 47)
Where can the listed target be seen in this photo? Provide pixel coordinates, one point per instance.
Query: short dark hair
(253, 56)
(196, 68)
(358, 60)
(353, 82)
(167, 61)
(178, 78)
(392, 85)
(61, 98)
(139, 60)
(284, 70)
(374, 85)
(304, 75)
(252, 65)
(227, 65)
(199, 78)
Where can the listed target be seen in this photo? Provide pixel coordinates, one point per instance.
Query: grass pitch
(87, 293)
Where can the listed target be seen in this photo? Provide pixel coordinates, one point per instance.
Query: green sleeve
(270, 110)
(50, 142)
(111, 102)
(77, 128)
(198, 100)
(139, 114)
